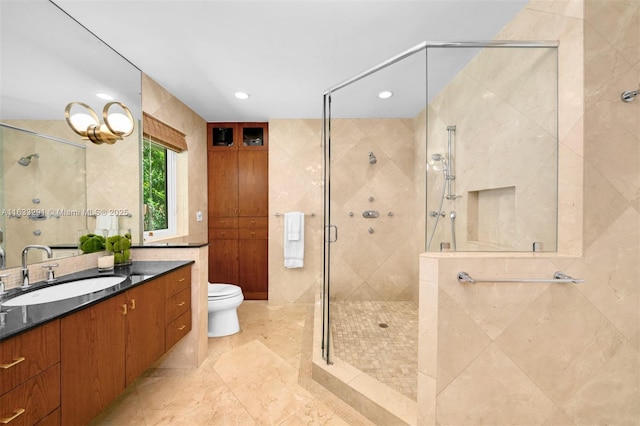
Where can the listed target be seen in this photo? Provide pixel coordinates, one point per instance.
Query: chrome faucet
(25, 269)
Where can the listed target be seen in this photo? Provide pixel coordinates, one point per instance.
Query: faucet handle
(50, 275)
(2, 288)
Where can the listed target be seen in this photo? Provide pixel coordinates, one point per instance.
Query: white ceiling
(286, 54)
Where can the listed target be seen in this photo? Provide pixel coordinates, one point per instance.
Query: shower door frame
(330, 230)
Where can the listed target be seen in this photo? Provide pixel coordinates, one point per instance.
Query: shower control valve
(370, 214)
(434, 213)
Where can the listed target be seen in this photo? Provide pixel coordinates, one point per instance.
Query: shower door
(466, 144)
(374, 220)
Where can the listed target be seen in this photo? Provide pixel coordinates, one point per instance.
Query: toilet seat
(223, 291)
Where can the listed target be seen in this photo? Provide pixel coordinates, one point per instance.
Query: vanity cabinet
(177, 312)
(105, 347)
(145, 328)
(30, 377)
(238, 196)
(93, 359)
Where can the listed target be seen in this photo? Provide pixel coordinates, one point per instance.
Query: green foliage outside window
(154, 184)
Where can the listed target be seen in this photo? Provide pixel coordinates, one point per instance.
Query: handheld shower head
(25, 161)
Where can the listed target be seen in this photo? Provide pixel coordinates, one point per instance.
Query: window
(159, 190)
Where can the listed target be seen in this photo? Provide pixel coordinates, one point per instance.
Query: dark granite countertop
(138, 246)
(17, 319)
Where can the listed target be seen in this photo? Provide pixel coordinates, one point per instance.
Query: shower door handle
(329, 240)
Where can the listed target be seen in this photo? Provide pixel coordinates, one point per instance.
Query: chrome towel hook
(629, 95)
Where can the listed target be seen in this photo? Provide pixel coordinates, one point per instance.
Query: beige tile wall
(366, 266)
(192, 164)
(552, 353)
(503, 105)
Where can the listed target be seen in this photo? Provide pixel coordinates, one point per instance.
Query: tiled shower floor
(388, 354)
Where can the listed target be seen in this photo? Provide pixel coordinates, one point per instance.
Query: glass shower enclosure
(462, 156)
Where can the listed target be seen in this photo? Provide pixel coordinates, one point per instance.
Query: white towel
(108, 223)
(293, 240)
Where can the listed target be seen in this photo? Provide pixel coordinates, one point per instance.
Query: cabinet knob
(124, 309)
(133, 303)
(14, 362)
(182, 327)
(181, 304)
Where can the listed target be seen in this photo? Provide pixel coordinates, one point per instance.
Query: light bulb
(82, 121)
(120, 122)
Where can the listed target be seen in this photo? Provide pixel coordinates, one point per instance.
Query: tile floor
(260, 376)
(379, 338)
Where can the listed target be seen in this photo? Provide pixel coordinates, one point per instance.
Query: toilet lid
(223, 290)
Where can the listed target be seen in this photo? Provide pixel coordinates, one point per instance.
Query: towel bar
(558, 277)
(280, 214)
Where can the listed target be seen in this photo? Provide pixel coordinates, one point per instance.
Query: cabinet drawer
(253, 222)
(177, 281)
(254, 234)
(178, 328)
(223, 234)
(177, 305)
(52, 419)
(27, 354)
(33, 400)
(223, 222)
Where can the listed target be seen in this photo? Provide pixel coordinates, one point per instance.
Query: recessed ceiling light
(104, 96)
(385, 94)
(242, 95)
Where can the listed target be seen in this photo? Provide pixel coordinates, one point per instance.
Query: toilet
(223, 301)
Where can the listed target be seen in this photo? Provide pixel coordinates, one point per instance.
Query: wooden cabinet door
(254, 270)
(253, 183)
(92, 357)
(145, 327)
(223, 261)
(222, 174)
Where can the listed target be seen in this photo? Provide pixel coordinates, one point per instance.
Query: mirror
(47, 61)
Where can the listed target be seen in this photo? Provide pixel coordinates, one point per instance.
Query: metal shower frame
(326, 139)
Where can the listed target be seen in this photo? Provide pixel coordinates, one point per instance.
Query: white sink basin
(64, 291)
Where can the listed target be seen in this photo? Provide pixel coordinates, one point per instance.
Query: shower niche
(503, 104)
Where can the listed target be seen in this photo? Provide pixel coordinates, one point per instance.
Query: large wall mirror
(55, 184)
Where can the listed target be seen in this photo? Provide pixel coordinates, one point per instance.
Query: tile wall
(552, 353)
(381, 265)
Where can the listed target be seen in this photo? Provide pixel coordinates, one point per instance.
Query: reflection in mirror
(44, 203)
(49, 60)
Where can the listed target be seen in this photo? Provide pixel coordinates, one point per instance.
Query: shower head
(372, 158)
(25, 161)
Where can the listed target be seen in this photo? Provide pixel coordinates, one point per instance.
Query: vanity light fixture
(243, 96)
(117, 125)
(385, 94)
